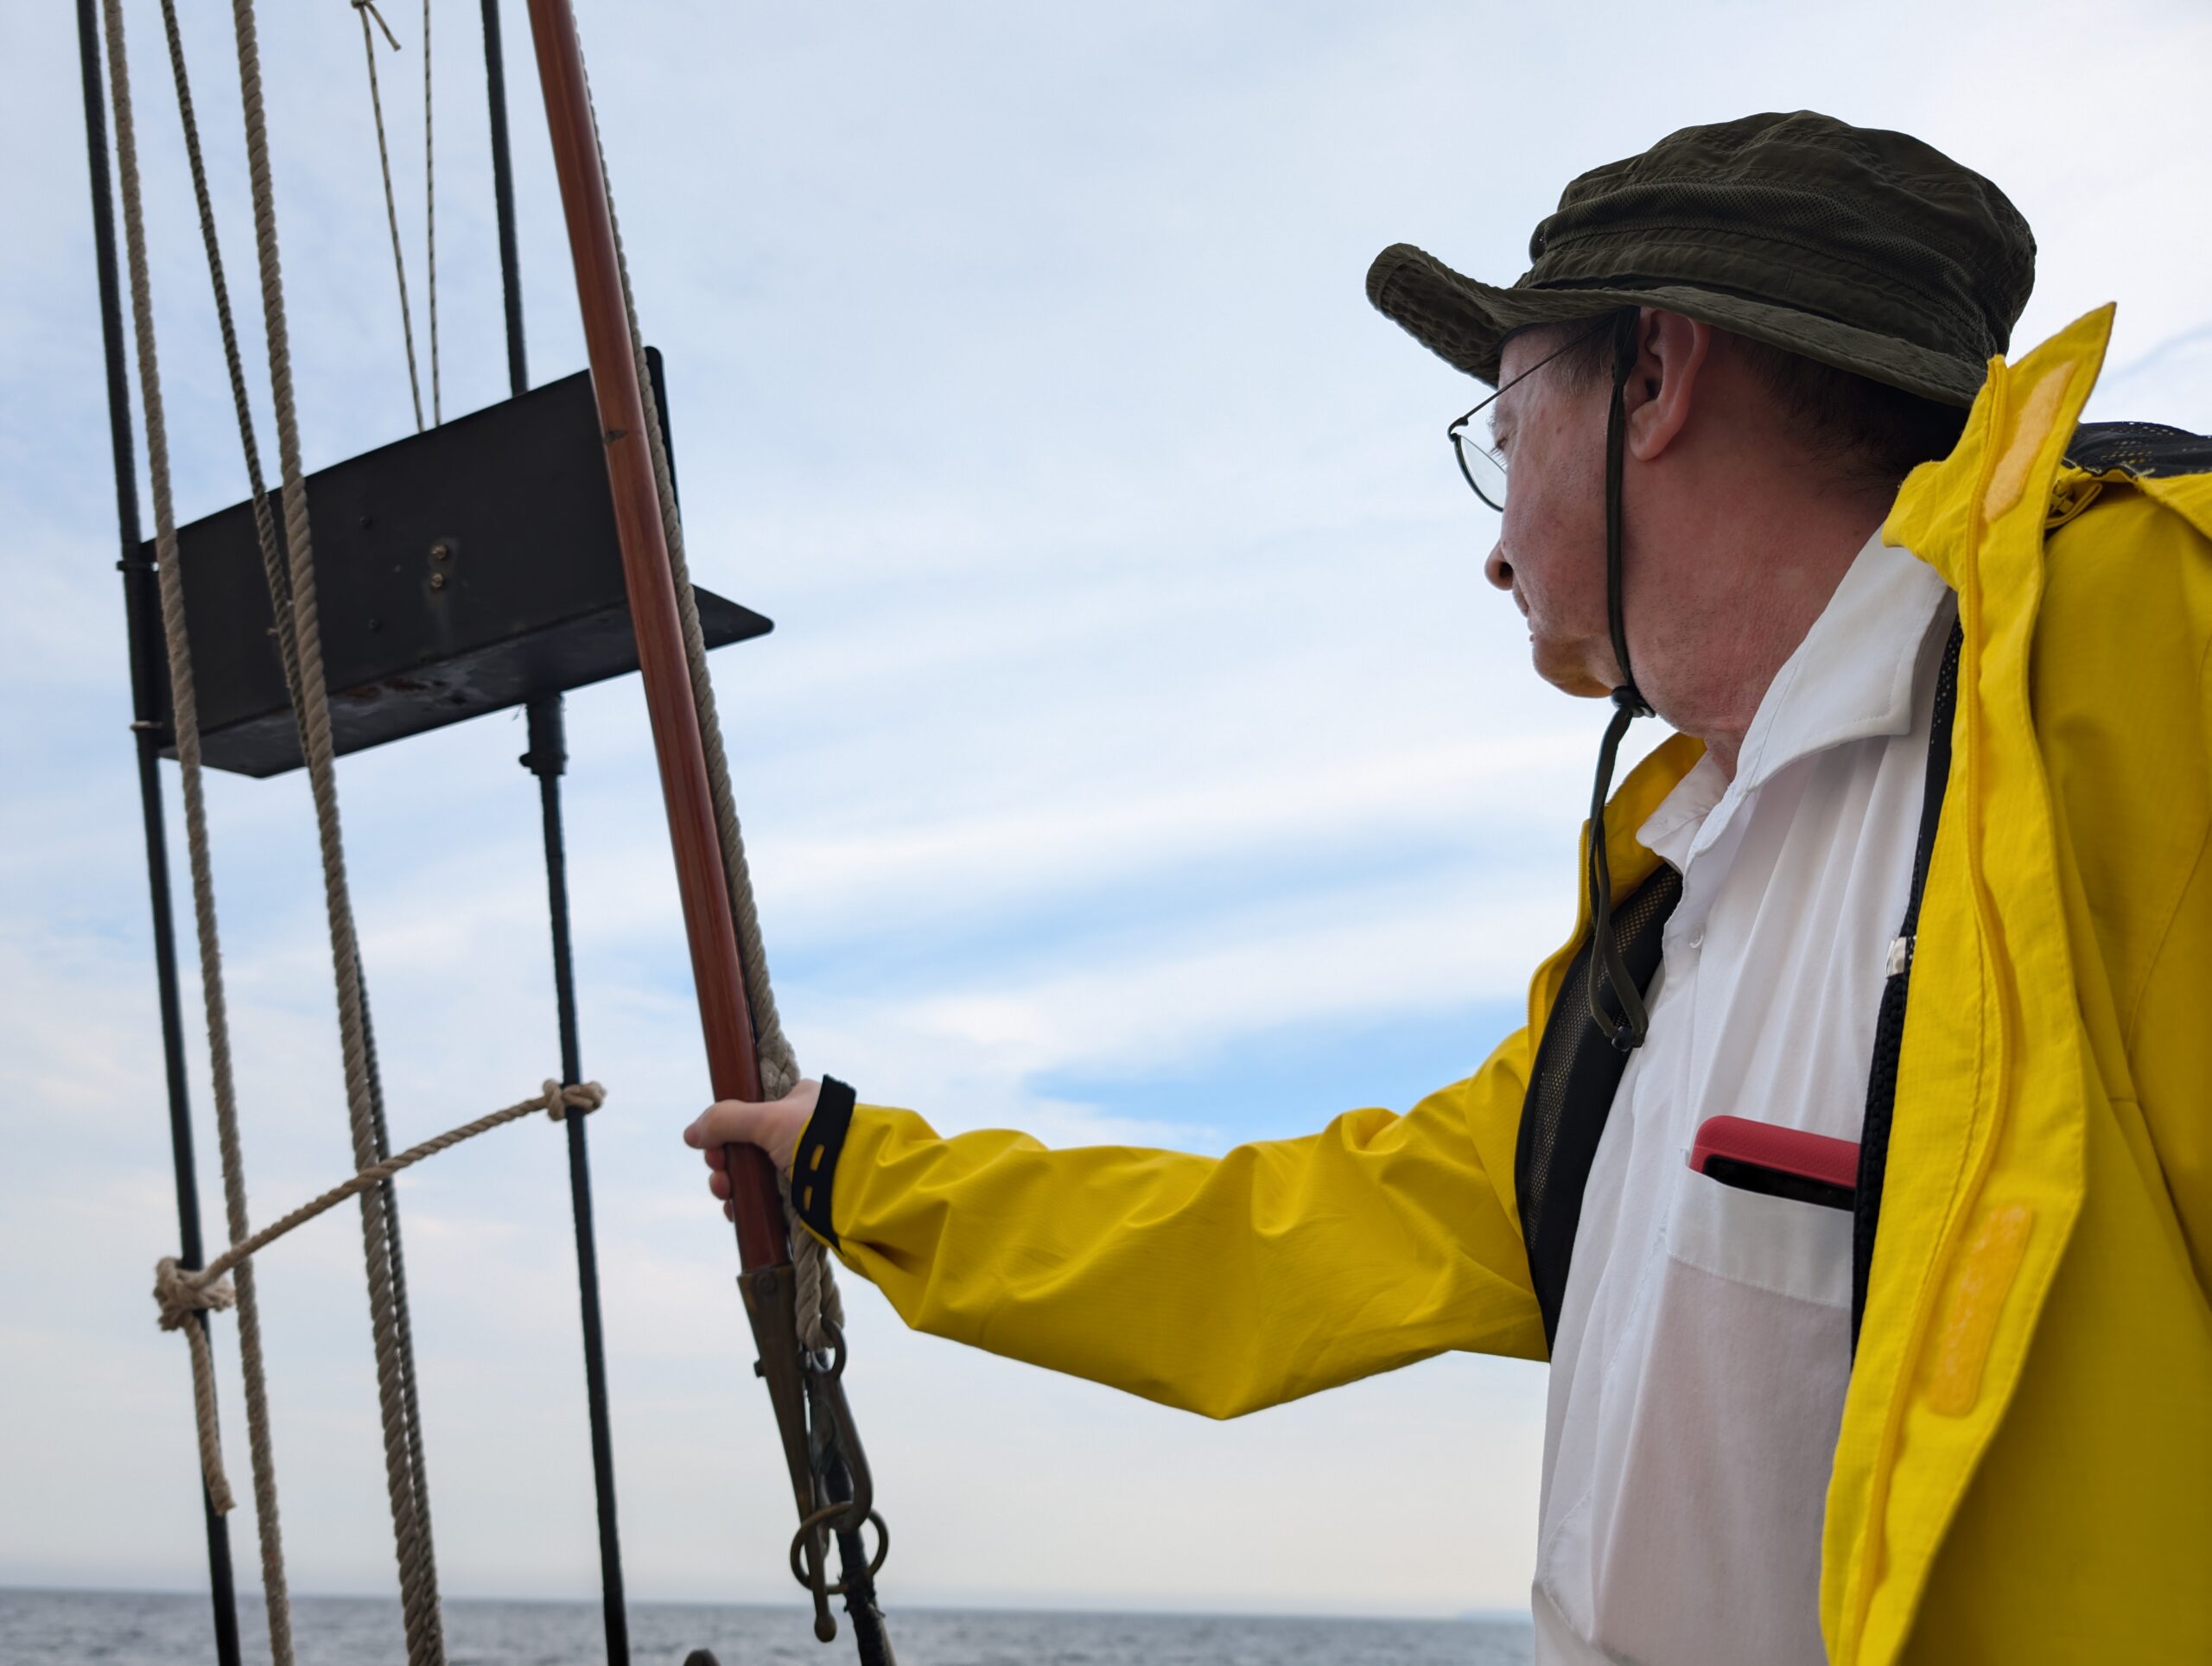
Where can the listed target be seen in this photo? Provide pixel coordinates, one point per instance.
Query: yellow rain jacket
(2025, 1466)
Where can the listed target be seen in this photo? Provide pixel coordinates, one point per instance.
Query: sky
(1138, 754)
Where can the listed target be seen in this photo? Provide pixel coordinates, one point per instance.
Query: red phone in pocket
(1782, 1162)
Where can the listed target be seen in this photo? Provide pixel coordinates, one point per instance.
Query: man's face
(1551, 547)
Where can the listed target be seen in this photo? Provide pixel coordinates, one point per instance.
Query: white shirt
(1704, 1337)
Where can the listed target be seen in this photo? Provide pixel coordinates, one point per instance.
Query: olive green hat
(1866, 250)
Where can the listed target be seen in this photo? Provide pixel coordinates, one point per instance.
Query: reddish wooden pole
(769, 1281)
(733, 1066)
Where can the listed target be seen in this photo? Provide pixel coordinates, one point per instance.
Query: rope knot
(368, 10)
(179, 1293)
(182, 1294)
(582, 1097)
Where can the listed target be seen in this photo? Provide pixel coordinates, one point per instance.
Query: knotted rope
(403, 1470)
(183, 1296)
(184, 708)
(181, 1302)
(181, 1292)
(386, 1277)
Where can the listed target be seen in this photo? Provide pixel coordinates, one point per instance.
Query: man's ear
(1663, 388)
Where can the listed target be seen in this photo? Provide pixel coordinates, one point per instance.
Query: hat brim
(1465, 322)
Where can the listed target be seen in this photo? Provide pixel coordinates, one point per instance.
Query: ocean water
(46, 1628)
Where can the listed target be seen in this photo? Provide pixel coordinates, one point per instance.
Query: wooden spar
(769, 1281)
(733, 1065)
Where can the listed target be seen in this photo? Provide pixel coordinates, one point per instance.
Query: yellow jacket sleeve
(1220, 1285)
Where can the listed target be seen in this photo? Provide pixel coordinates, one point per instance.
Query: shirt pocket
(1713, 1459)
(1781, 1245)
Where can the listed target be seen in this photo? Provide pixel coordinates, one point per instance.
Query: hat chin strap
(1616, 1003)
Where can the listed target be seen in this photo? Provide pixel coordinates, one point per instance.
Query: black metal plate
(526, 600)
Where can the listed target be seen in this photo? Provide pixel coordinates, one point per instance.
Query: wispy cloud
(1136, 715)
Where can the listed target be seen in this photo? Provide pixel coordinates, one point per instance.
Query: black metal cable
(503, 197)
(147, 663)
(548, 759)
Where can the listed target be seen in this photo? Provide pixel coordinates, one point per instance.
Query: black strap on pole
(148, 664)
(547, 758)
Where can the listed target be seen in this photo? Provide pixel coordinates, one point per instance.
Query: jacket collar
(1945, 507)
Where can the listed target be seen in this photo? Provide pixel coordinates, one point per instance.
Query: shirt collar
(1850, 678)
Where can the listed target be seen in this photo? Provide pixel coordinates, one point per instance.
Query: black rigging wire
(548, 759)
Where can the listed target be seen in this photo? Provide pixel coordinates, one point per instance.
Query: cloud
(1136, 711)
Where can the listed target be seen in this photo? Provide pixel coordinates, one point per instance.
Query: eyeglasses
(1484, 465)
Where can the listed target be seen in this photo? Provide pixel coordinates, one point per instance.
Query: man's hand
(774, 1127)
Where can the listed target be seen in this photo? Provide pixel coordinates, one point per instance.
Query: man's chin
(1566, 669)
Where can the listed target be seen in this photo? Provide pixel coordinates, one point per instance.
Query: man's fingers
(725, 1123)
(774, 1127)
(718, 1183)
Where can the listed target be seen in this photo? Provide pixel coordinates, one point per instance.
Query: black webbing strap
(1889, 1023)
(814, 1161)
(1571, 1090)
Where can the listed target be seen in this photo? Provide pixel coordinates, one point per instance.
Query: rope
(556, 1100)
(430, 218)
(278, 583)
(409, 1502)
(403, 1322)
(367, 9)
(265, 519)
(816, 1285)
(267, 1520)
(181, 1304)
(184, 717)
(180, 1292)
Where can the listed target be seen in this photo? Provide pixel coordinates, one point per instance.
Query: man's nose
(1496, 569)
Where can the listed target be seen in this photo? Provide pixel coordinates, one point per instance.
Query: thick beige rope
(265, 518)
(180, 1291)
(184, 717)
(182, 1304)
(817, 1294)
(410, 1501)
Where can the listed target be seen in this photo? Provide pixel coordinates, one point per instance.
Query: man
(1922, 879)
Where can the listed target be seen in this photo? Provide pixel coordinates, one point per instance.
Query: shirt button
(1697, 939)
